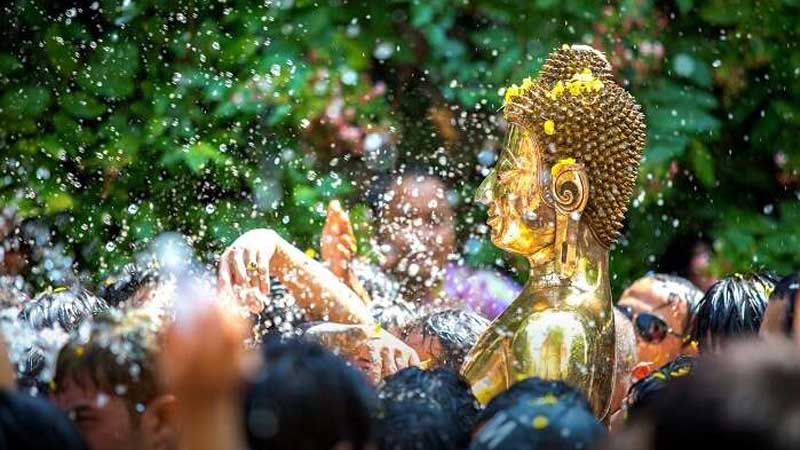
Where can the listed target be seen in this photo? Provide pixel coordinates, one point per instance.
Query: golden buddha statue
(557, 196)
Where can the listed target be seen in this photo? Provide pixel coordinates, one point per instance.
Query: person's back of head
(32, 423)
(307, 398)
(540, 415)
(529, 388)
(445, 337)
(645, 391)
(65, 307)
(733, 307)
(432, 410)
(128, 283)
(747, 397)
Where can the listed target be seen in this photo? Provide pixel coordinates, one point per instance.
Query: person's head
(416, 227)
(108, 385)
(444, 338)
(732, 308)
(626, 359)
(130, 285)
(306, 398)
(33, 423)
(660, 307)
(745, 398)
(529, 388)
(432, 410)
(779, 317)
(553, 419)
(645, 391)
(572, 155)
(63, 307)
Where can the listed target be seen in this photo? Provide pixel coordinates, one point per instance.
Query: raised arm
(245, 267)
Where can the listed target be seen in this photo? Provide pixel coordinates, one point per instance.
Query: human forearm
(323, 295)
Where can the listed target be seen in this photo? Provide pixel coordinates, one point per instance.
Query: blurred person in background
(747, 397)
(415, 242)
(660, 308)
(430, 410)
(732, 308)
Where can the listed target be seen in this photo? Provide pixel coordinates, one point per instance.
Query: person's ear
(159, 422)
(569, 186)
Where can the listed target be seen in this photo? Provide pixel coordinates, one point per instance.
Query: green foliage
(124, 119)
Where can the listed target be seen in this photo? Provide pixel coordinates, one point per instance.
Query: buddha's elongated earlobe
(570, 189)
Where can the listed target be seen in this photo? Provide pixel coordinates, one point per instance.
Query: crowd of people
(276, 350)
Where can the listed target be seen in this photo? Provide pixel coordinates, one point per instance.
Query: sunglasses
(650, 327)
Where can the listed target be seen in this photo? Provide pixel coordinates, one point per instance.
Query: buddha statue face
(520, 220)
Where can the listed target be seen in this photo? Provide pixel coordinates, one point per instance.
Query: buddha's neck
(590, 278)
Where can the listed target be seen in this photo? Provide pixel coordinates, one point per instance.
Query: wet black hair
(432, 410)
(281, 316)
(541, 421)
(530, 388)
(33, 423)
(457, 331)
(307, 398)
(643, 392)
(787, 290)
(121, 286)
(63, 307)
(732, 307)
(745, 398)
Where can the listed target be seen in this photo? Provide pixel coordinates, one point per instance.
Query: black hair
(281, 316)
(533, 388)
(307, 398)
(733, 307)
(116, 289)
(787, 290)
(541, 418)
(431, 410)
(63, 307)
(643, 392)
(747, 397)
(457, 331)
(32, 423)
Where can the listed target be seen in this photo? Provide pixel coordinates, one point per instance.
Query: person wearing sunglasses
(659, 307)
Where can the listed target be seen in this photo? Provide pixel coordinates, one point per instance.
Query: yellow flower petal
(540, 422)
(549, 127)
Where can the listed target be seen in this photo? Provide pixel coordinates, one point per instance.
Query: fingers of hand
(388, 360)
(239, 266)
(263, 271)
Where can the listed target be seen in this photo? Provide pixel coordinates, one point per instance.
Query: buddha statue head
(570, 161)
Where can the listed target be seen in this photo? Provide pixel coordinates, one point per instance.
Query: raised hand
(338, 243)
(244, 268)
(338, 247)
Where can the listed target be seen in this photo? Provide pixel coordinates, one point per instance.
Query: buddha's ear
(569, 186)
